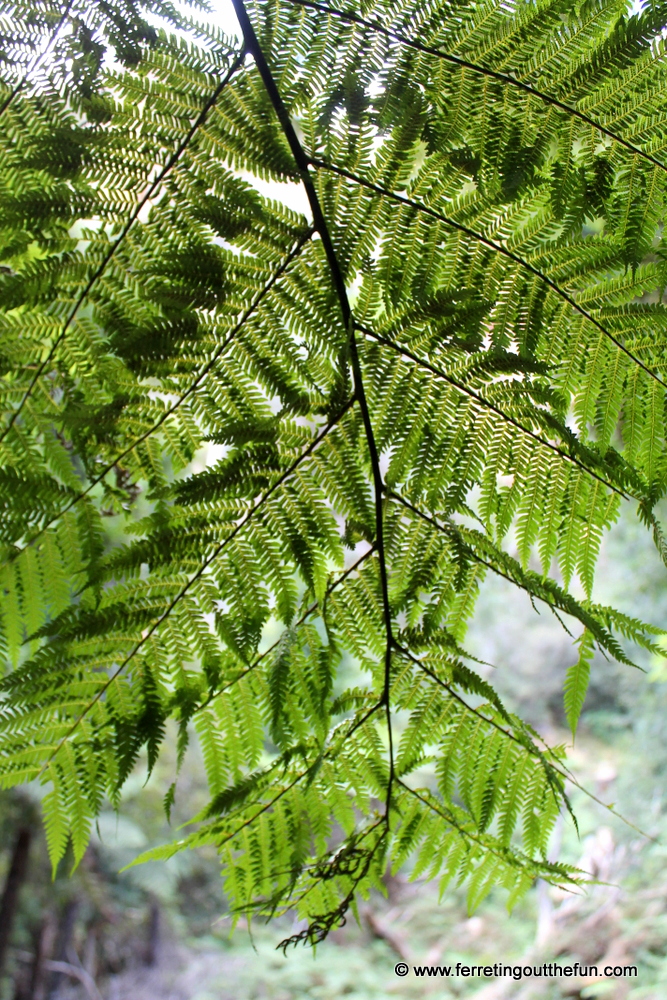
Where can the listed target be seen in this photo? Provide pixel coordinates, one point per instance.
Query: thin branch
(440, 373)
(449, 818)
(451, 531)
(275, 799)
(497, 247)
(320, 924)
(529, 746)
(196, 576)
(66, 969)
(97, 274)
(215, 357)
(302, 162)
(263, 809)
(503, 78)
(447, 687)
(564, 601)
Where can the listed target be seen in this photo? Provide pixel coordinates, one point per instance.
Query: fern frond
(457, 342)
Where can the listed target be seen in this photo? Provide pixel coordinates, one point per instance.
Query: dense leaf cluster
(457, 356)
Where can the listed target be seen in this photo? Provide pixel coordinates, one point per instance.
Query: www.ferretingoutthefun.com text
(498, 970)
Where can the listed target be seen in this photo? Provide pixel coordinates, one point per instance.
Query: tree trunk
(44, 939)
(65, 935)
(153, 937)
(9, 902)
(90, 952)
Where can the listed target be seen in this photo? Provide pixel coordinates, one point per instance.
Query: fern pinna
(463, 341)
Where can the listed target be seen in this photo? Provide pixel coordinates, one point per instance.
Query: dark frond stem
(493, 74)
(322, 924)
(302, 161)
(527, 745)
(36, 61)
(200, 572)
(498, 247)
(352, 728)
(97, 274)
(318, 864)
(473, 394)
(262, 809)
(215, 357)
